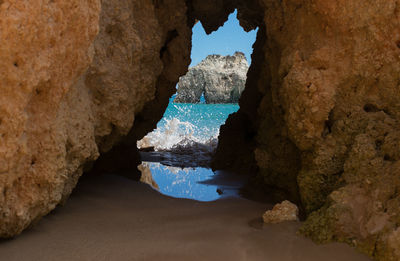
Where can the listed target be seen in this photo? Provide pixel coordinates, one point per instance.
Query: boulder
(285, 211)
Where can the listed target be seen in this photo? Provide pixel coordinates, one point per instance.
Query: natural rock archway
(318, 120)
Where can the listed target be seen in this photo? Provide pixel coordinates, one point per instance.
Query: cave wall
(336, 85)
(73, 78)
(326, 131)
(44, 48)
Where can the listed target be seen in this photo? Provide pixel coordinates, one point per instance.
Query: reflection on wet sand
(200, 184)
(147, 177)
(180, 182)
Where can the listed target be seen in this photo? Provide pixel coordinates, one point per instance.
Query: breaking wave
(180, 137)
(187, 135)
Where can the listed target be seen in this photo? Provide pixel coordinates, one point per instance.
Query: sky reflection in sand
(183, 183)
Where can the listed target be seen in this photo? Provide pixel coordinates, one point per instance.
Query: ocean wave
(180, 137)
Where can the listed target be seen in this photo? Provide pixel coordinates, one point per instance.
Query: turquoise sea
(188, 122)
(187, 128)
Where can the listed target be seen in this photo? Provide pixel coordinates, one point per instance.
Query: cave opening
(83, 81)
(176, 156)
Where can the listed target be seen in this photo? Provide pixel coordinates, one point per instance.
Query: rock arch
(318, 120)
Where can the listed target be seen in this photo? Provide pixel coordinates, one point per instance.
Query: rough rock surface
(44, 48)
(221, 79)
(285, 211)
(324, 132)
(67, 95)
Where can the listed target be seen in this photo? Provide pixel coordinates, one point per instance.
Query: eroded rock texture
(284, 211)
(44, 48)
(221, 79)
(326, 131)
(67, 94)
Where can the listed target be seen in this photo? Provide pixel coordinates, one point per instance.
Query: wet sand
(113, 218)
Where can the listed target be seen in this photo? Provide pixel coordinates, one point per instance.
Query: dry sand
(113, 218)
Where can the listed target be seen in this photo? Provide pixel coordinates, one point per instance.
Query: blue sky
(226, 40)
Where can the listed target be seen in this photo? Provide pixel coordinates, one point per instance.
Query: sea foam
(188, 129)
(181, 137)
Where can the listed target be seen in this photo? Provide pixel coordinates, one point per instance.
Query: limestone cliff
(221, 79)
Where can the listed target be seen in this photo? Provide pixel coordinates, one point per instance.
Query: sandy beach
(114, 218)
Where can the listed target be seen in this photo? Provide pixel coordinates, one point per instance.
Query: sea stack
(221, 79)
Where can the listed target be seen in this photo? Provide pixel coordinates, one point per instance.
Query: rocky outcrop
(68, 95)
(221, 79)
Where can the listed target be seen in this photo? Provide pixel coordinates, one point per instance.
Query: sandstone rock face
(326, 131)
(285, 211)
(221, 79)
(68, 95)
(44, 48)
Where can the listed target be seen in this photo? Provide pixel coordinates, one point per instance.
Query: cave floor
(114, 218)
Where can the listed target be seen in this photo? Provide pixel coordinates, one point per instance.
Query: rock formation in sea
(221, 79)
(318, 122)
